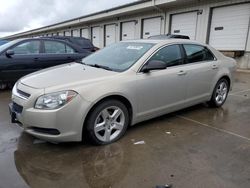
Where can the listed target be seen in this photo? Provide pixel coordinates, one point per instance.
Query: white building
(224, 24)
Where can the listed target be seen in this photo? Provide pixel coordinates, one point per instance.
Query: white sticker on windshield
(134, 47)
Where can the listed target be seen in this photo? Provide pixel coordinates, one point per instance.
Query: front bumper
(61, 125)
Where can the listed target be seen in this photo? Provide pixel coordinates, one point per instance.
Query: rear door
(56, 53)
(24, 61)
(201, 67)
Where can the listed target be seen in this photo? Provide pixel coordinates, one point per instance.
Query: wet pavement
(195, 147)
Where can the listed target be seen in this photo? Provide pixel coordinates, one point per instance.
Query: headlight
(54, 100)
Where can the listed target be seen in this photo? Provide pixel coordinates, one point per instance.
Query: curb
(243, 71)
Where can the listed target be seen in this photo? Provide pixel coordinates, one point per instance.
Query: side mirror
(154, 65)
(10, 53)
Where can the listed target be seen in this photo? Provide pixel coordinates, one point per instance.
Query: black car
(2, 42)
(79, 41)
(169, 36)
(23, 56)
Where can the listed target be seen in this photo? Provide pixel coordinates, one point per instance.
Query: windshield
(118, 57)
(7, 45)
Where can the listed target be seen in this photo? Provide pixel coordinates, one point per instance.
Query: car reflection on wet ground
(195, 147)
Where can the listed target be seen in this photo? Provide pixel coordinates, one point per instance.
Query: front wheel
(220, 93)
(107, 122)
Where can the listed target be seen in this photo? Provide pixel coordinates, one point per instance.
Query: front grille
(22, 93)
(17, 108)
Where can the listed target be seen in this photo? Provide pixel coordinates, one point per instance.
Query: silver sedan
(119, 86)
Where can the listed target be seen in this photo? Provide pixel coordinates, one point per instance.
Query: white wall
(202, 22)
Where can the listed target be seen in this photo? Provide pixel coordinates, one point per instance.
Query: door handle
(36, 59)
(215, 67)
(182, 73)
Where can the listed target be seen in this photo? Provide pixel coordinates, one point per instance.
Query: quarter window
(197, 53)
(52, 47)
(171, 55)
(31, 47)
(69, 50)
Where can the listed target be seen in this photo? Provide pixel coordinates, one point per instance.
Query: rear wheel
(3, 86)
(220, 93)
(107, 122)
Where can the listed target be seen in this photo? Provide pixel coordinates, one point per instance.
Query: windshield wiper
(99, 66)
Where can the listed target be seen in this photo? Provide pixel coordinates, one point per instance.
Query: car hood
(67, 74)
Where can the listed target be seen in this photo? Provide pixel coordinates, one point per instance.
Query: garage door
(85, 33)
(151, 27)
(110, 34)
(128, 30)
(60, 33)
(185, 24)
(230, 27)
(76, 33)
(67, 33)
(96, 36)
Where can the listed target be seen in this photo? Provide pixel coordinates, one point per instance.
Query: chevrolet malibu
(119, 86)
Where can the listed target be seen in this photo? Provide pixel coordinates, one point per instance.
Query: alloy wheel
(221, 93)
(109, 123)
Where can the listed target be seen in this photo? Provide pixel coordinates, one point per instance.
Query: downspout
(156, 7)
(161, 11)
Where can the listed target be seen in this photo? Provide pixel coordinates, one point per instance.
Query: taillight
(95, 49)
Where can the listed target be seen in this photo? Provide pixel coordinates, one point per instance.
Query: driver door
(24, 61)
(162, 91)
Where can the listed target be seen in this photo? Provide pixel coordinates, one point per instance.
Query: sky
(22, 15)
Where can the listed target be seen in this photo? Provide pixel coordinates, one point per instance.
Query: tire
(10, 85)
(220, 93)
(3, 86)
(107, 122)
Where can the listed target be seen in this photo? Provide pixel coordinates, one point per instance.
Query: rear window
(83, 43)
(197, 53)
(52, 47)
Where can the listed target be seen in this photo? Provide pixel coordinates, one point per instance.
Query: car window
(171, 55)
(53, 47)
(69, 50)
(30, 47)
(196, 53)
(83, 43)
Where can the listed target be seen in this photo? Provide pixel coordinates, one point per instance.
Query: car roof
(165, 41)
(39, 38)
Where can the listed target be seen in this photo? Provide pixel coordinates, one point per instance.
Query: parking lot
(195, 147)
